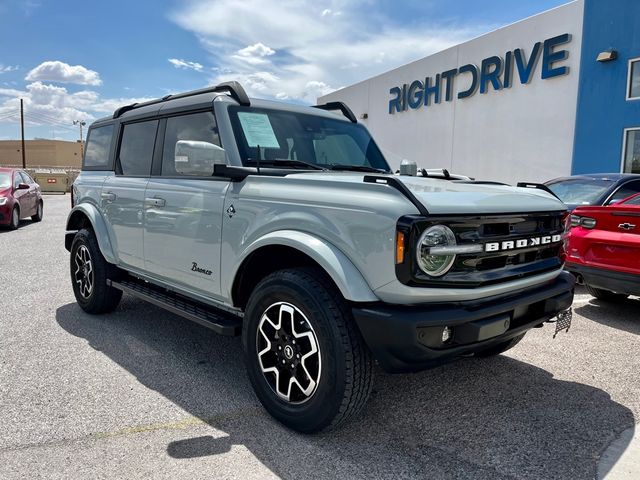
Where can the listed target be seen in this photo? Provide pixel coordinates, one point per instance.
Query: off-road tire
(39, 212)
(14, 223)
(346, 377)
(500, 347)
(605, 295)
(102, 298)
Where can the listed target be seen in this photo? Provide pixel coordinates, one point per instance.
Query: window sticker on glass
(258, 130)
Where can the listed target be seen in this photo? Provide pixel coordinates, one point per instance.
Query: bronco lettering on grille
(521, 243)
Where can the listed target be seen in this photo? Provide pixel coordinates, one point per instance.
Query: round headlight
(436, 236)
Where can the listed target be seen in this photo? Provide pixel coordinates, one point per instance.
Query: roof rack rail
(538, 186)
(234, 88)
(346, 111)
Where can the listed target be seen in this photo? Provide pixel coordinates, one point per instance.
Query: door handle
(109, 196)
(155, 201)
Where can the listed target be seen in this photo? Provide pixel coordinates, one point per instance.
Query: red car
(604, 249)
(20, 197)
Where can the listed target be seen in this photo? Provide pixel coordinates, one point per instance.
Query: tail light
(584, 222)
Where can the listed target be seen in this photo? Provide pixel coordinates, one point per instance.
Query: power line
(49, 118)
(7, 115)
(41, 120)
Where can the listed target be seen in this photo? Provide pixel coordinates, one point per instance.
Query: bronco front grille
(489, 267)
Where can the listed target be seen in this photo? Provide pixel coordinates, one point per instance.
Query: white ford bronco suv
(284, 224)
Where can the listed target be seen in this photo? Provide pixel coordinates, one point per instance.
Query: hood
(442, 197)
(5, 192)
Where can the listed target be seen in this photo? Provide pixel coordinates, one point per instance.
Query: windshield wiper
(287, 162)
(356, 168)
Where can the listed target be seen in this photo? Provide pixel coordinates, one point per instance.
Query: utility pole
(81, 123)
(24, 158)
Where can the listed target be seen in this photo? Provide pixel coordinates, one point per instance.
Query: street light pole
(80, 123)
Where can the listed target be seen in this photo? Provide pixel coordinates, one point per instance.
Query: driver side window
(197, 127)
(17, 179)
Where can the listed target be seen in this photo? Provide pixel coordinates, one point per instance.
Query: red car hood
(6, 192)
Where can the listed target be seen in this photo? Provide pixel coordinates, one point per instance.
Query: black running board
(217, 320)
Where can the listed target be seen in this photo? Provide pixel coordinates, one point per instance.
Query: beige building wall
(41, 153)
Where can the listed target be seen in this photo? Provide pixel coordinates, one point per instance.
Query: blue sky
(72, 60)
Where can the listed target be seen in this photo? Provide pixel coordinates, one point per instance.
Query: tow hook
(562, 321)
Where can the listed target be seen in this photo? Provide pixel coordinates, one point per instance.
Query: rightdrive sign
(494, 72)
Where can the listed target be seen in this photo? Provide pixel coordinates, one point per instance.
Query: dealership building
(552, 95)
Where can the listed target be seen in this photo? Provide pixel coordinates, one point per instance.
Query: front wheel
(89, 274)
(306, 359)
(15, 219)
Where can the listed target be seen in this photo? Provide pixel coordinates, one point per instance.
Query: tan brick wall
(41, 153)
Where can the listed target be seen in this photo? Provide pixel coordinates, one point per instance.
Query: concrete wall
(41, 153)
(524, 132)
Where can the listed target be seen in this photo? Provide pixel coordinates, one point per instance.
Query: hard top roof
(204, 98)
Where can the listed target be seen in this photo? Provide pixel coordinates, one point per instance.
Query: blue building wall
(603, 111)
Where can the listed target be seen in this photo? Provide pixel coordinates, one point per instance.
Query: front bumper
(409, 338)
(611, 280)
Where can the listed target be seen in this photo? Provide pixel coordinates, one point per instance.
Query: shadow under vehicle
(496, 418)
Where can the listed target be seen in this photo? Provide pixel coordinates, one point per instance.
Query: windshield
(5, 180)
(291, 140)
(580, 191)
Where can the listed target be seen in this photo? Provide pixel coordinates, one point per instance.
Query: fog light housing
(447, 334)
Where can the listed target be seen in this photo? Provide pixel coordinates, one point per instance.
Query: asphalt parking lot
(141, 393)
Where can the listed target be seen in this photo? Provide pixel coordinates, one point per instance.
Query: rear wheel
(500, 348)
(39, 211)
(606, 295)
(89, 274)
(15, 218)
(306, 359)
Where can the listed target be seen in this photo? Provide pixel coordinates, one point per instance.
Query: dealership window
(632, 151)
(633, 89)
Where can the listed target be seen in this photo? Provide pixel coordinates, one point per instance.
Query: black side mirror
(22, 186)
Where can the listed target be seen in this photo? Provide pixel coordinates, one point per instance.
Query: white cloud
(46, 104)
(185, 64)
(317, 45)
(60, 72)
(256, 50)
(254, 54)
(8, 68)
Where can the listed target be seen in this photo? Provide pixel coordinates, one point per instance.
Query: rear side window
(199, 127)
(136, 148)
(96, 153)
(628, 189)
